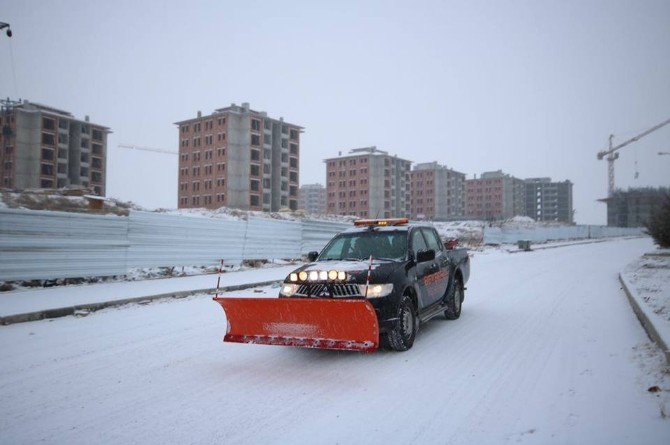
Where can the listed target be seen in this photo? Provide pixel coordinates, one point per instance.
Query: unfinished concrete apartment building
(437, 192)
(368, 183)
(240, 158)
(44, 147)
(549, 201)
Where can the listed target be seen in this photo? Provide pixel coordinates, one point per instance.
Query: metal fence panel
(49, 245)
(316, 234)
(272, 239)
(159, 240)
(497, 235)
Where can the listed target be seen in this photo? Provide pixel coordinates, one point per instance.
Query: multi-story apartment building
(313, 199)
(368, 183)
(633, 207)
(239, 158)
(495, 195)
(437, 192)
(44, 147)
(549, 201)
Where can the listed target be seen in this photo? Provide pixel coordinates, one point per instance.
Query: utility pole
(612, 154)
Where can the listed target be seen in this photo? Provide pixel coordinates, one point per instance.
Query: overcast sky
(530, 87)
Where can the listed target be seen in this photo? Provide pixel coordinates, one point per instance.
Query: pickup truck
(404, 270)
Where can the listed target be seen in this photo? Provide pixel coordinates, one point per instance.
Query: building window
(47, 154)
(255, 155)
(255, 140)
(294, 135)
(255, 124)
(46, 183)
(48, 124)
(96, 176)
(284, 143)
(96, 135)
(294, 149)
(255, 185)
(83, 172)
(62, 168)
(255, 170)
(253, 200)
(47, 169)
(48, 139)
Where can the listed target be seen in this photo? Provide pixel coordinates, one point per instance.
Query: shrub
(658, 225)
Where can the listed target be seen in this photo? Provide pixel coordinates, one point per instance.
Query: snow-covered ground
(547, 351)
(650, 275)
(32, 300)
(648, 279)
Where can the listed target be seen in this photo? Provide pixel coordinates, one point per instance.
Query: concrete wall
(376, 186)
(239, 158)
(27, 152)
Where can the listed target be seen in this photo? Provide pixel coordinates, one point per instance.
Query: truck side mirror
(425, 255)
(312, 256)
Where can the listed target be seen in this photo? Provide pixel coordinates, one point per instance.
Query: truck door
(422, 269)
(438, 279)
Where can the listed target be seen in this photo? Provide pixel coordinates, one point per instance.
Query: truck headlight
(377, 290)
(289, 289)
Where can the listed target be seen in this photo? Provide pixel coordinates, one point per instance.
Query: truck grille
(329, 290)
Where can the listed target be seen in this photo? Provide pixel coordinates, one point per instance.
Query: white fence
(49, 245)
(496, 235)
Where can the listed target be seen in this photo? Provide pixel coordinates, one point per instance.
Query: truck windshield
(359, 246)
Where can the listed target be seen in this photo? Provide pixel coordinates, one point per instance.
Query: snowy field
(547, 351)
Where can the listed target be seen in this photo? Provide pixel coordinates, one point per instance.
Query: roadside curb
(645, 319)
(92, 307)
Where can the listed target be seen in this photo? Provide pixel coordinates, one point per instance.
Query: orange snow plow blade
(308, 323)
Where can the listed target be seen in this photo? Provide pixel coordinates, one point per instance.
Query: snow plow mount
(343, 324)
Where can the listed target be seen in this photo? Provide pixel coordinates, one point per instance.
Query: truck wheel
(401, 337)
(453, 310)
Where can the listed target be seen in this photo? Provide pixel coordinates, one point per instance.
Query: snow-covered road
(547, 351)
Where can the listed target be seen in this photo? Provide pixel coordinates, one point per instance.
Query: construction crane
(612, 154)
(661, 153)
(155, 150)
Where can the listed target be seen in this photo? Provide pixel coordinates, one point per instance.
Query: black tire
(455, 300)
(401, 337)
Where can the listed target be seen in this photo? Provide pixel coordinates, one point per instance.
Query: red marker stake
(367, 280)
(218, 280)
